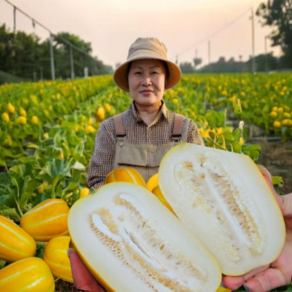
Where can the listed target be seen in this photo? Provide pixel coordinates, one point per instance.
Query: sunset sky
(112, 25)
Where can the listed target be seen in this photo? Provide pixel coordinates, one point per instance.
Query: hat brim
(121, 76)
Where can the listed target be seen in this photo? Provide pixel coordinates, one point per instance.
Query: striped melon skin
(27, 275)
(152, 182)
(126, 174)
(57, 259)
(46, 220)
(15, 243)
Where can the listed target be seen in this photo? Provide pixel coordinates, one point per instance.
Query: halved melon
(131, 242)
(223, 199)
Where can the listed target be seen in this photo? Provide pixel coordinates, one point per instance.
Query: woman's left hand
(279, 272)
(82, 277)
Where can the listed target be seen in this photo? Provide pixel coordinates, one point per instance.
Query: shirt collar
(163, 112)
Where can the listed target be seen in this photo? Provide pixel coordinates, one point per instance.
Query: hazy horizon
(111, 26)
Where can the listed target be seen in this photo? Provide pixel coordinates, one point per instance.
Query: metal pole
(253, 43)
(14, 19)
(52, 57)
(72, 63)
(209, 55)
(266, 52)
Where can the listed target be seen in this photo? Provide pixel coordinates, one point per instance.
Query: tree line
(27, 57)
(274, 13)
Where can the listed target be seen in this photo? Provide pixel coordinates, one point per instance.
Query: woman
(141, 136)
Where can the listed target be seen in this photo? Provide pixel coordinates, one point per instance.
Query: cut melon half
(131, 242)
(223, 199)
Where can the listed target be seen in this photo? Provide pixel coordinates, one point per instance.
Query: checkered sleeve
(101, 161)
(194, 135)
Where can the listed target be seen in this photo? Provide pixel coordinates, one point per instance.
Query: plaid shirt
(157, 133)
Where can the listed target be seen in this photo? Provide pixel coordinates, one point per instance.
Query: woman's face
(147, 81)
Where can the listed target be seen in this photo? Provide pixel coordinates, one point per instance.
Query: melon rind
(114, 249)
(224, 200)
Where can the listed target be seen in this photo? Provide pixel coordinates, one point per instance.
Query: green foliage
(24, 55)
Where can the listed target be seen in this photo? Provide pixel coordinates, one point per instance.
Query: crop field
(47, 129)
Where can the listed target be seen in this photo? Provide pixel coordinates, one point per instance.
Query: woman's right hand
(82, 277)
(279, 272)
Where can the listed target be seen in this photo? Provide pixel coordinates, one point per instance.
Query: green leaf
(2, 264)
(11, 213)
(228, 136)
(277, 180)
(40, 250)
(31, 145)
(4, 179)
(237, 134)
(78, 166)
(55, 168)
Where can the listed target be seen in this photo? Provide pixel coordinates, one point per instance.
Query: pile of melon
(213, 213)
(47, 222)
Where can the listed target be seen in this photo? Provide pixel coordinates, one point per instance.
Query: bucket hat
(147, 48)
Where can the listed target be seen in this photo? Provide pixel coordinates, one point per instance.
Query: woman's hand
(82, 277)
(279, 272)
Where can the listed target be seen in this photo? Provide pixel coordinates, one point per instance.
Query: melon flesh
(131, 242)
(226, 203)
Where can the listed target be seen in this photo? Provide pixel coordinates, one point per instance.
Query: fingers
(264, 171)
(234, 283)
(285, 202)
(267, 280)
(82, 277)
(286, 205)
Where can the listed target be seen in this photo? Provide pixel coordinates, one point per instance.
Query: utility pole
(253, 43)
(52, 57)
(14, 19)
(209, 55)
(72, 63)
(266, 52)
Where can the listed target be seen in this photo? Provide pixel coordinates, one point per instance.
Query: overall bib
(145, 158)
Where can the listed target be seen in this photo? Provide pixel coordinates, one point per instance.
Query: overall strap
(119, 127)
(177, 127)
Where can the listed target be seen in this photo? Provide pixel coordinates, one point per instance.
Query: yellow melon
(29, 275)
(157, 192)
(152, 182)
(46, 220)
(57, 259)
(126, 174)
(15, 243)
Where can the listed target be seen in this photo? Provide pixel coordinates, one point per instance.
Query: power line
(47, 29)
(214, 34)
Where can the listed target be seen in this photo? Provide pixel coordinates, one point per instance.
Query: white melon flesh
(131, 242)
(226, 203)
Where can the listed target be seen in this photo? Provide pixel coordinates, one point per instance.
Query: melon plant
(15, 243)
(224, 200)
(128, 239)
(46, 220)
(29, 275)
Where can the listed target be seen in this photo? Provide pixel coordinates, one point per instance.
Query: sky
(111, 26)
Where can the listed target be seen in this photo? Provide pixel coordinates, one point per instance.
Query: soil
(276, 156)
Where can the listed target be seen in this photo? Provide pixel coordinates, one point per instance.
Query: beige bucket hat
(147, 48)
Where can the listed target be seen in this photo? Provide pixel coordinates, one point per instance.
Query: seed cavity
(141, 244)
(211, 185)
